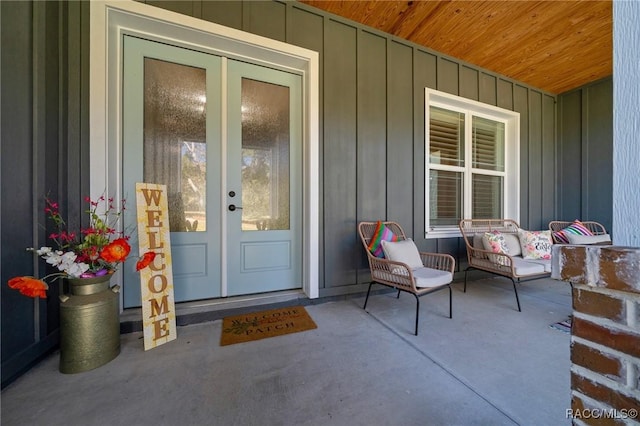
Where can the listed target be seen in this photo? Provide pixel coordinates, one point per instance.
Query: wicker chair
(400, 276)
(512, 267)
(558, 225)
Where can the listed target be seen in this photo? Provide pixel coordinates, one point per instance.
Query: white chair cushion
(513, 243)
(588, 239)
(428, 277)
(477, 241)
(527, 267)
(404, 251)
(546, 263)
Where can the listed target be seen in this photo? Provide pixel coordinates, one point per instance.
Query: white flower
(43, 251)
(53, 257)
(65, 262)
(77, 269)
(67, 259)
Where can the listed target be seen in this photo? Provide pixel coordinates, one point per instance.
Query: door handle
(233, 207)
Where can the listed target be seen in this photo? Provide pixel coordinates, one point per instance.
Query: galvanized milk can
(89, 324)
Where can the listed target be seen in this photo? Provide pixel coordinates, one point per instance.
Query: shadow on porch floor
(490, 364)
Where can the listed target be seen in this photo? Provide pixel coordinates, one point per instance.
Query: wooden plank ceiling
(552, 45)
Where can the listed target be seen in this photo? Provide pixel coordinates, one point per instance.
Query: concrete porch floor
(489, 365)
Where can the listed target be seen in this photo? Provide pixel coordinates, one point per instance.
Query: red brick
(619, 340)
(604, 394)
(592, 359)
(620, 268)
(573, 264)
(598, 304)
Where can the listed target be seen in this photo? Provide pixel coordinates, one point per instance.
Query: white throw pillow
(404, 251)
(588, 239)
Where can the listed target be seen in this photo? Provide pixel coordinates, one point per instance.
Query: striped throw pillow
(576, 228)
(381, 233)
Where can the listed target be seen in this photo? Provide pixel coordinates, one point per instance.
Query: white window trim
(512, 156)
(109, 19)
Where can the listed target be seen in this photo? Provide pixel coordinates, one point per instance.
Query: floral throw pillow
(535, 244)
(381, 233)
(495, 242)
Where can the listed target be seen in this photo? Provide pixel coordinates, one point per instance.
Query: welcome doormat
(564, 326)
(260, 325)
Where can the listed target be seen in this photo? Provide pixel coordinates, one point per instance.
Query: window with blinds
(468, 174)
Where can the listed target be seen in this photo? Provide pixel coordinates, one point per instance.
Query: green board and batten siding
(585, 154)
(372, 132)
(45, 151)
(339, 148)
(371, 138)
(372, 126)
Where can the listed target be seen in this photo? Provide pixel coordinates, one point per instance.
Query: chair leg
(398, 296)
(417, 311)
(465, 280)
(516, 291)
(450, 302)
(367, 298)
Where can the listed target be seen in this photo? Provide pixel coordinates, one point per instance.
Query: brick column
(605, 331)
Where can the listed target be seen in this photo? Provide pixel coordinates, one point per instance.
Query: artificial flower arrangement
(96, 251)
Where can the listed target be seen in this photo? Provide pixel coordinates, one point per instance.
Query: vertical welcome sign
(156, 281)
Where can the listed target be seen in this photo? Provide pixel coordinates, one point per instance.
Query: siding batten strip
(38, 137)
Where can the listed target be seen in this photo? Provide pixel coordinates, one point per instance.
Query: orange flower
(116, 251)
(145, 260)
(29, 286)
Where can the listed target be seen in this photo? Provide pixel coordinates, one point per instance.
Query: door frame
(110, 20)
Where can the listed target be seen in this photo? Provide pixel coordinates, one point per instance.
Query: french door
(225, 138)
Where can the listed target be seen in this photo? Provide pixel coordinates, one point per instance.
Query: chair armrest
(386, 265)
(443, 262)
(476, 253)
(392, 273)
(480, 260)
(482, 254)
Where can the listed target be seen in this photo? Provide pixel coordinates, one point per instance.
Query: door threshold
(213, 309)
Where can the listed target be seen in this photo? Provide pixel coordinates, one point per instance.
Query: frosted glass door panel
(175, 125)
(265, 156)
(264, 180)
(171, 121)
